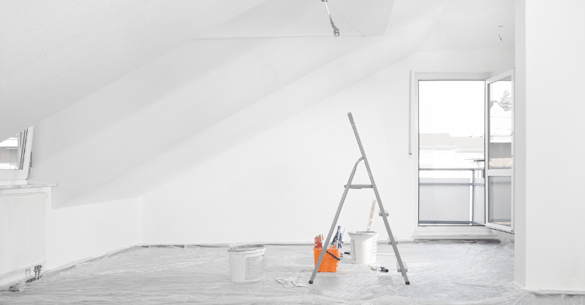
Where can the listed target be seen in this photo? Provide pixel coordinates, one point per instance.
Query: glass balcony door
(499, 144)
(451, 152)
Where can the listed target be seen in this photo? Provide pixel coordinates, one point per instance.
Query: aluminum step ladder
(349, 186)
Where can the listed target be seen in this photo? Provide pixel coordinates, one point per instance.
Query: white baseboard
(274, 243)
(454, 232)
(549, 291)
(83, 260)
(19, 276)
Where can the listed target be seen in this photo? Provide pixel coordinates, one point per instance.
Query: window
(15, 155)
(11, 151)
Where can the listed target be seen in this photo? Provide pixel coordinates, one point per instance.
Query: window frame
(415, 77)
(14, 176)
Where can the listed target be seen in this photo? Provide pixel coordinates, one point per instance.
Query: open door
(499, 150)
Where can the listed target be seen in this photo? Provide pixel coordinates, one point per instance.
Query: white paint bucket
(246, 262)
(364, 247)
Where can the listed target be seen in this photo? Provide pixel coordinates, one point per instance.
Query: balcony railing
(452, 200)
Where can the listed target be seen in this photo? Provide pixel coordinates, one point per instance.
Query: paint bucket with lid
(364, 247)
(246, 262)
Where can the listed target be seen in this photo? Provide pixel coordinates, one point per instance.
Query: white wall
(84, 232)
(107, 135)
(89, 231)
(285, 184)
(554, 148)
(520, 146)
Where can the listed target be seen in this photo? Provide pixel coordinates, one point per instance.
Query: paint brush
(371, 219)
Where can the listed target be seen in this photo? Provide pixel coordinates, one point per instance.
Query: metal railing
(471, 185)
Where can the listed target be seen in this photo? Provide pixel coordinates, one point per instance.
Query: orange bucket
(329, 263)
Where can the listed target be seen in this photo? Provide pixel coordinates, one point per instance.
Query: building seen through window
(11, 151)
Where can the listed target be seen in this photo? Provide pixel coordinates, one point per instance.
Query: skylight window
(12, 151)
(15, 155)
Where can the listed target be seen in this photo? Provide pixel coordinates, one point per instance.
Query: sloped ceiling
(474, 25)
(299, 18)
(56, 52)
(130, 94)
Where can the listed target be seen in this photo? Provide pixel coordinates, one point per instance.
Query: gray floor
(440, 273)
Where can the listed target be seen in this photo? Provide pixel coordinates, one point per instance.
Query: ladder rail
(326, 244)
(380, 205)
(367, 164)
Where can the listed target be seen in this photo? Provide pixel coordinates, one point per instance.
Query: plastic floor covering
(439, 272)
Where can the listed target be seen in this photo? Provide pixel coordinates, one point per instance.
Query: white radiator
(22, 231)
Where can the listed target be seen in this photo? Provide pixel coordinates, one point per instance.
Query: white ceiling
(127, 94)
(304, 18)
(56, 52)
(475, 25)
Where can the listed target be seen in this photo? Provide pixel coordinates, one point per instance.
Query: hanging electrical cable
(335, 29)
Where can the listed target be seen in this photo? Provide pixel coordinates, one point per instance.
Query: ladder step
(401, 266)
(359, 186)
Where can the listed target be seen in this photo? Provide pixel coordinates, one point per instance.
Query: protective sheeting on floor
(439, 272)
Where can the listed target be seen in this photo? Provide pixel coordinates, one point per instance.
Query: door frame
(498, 172)
(413, 144)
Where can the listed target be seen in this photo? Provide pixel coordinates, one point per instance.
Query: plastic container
(329, 263)
(246, 262)
(364, 247)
